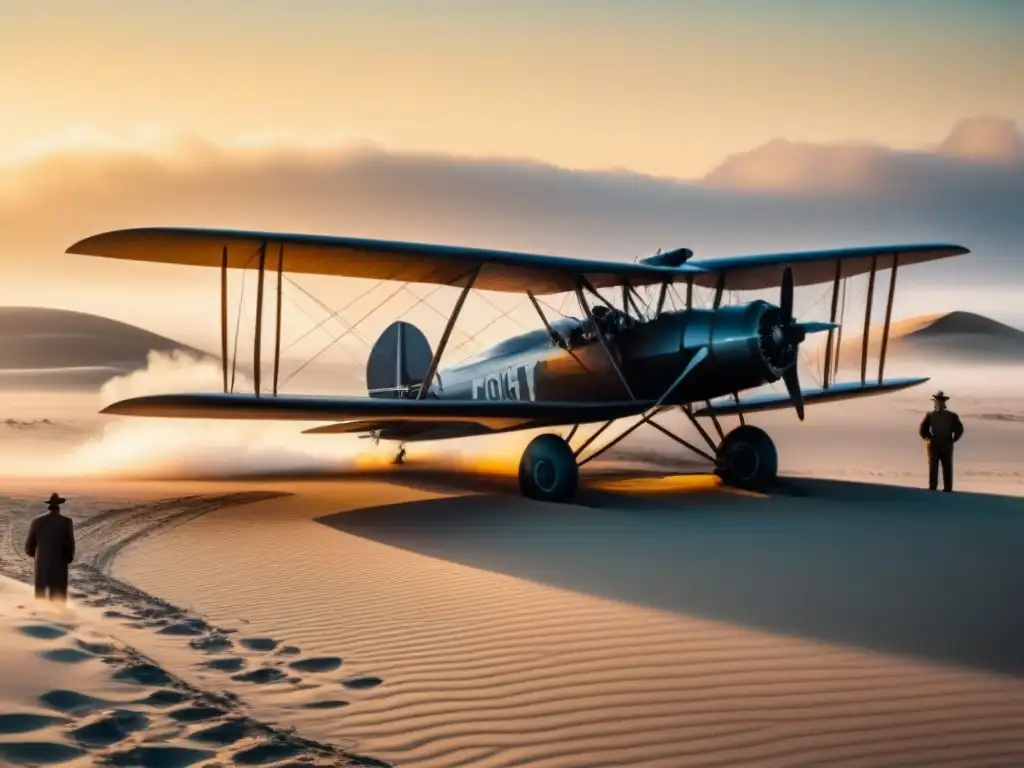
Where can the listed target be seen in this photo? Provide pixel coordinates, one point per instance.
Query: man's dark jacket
(51, 541)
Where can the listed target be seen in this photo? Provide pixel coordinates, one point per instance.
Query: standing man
(51, 541)
(940, 429)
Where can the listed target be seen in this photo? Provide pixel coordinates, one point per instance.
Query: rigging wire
(334, 341)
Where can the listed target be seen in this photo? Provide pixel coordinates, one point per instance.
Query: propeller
(789, 334)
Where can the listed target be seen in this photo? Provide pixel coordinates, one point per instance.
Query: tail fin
(398, 361)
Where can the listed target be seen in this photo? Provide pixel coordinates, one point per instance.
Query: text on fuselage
(515, 383)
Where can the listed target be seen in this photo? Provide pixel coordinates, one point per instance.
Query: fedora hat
(940, 395)
(55, 500)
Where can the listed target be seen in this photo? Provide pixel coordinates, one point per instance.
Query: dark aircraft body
(573, 366)
(609, 364)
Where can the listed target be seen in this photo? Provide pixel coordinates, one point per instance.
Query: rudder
(398, 361)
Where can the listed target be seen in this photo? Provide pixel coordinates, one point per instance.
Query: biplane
(635, 360)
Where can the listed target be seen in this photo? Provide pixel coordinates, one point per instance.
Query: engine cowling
(746, 341)
(746, 349)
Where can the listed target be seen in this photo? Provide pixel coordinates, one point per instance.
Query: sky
(575, 127)
(659, 87)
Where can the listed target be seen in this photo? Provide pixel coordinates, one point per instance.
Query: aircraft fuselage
(651, 355)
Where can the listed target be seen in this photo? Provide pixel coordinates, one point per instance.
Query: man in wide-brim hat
(51, 542)
(940, 429)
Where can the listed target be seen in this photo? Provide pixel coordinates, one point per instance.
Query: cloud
(986, 150)
(780, 196)
(985, 139)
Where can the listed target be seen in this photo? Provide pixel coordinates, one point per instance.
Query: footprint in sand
(229, 664)
(164, 697)
(260, 676)
(142, 673)
(196, 713)
(259, 643)
(224, 734)
(211, 644)
(158, 756)
(26, 723)
(110, 728)
(319, 664)
(362, 683)
(66, 655)
(325, 704)
(96, 649)
(71, 702)
(37, 752)
(43, 631)
(189, 627)
(268, 752)
(288, 650)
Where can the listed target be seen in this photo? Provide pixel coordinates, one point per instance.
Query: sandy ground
(432, 620)
(79, 690)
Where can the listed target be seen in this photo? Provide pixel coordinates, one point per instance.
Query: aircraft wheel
(747, 459)
(548, 471)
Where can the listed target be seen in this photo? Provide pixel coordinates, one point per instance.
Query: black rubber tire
(548, 471)
(747, 459)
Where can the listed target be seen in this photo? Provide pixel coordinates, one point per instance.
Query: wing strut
(277, 331)
(224, 314)
(719, 290)
(688, 410)
(593, 437)
(698, 358)
(716, 422)
(257, 353)
(662, 295)
(556, 337)
(578, 285)
(435, 361)
(839, 333)
(832, 318)
(888, 315)
(867, 320)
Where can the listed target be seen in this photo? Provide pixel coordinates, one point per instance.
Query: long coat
(51, 541)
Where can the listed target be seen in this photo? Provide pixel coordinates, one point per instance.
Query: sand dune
(954, 337)
(656, 629)
(45, 349)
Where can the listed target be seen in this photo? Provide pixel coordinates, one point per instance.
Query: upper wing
(499, 270)
(495, 415)
(372, 259)
(744, 273)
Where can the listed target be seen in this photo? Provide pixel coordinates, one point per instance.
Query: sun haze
(258, 591)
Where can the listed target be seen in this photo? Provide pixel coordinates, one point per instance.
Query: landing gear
(747, 459)
(548, 471)
(400, 457)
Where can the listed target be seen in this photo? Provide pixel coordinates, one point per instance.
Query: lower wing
(373, 413)
(845, 391)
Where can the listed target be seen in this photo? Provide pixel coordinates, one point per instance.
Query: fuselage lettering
(515, 383)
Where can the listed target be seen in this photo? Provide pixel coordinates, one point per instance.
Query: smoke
(123, 447)
(129, 447)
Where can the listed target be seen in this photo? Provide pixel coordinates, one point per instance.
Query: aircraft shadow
(936, 576)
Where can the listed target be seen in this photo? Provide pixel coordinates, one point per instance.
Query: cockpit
(577, 332)
(611, 321)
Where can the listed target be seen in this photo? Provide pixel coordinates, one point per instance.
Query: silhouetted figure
(940, 429)
(51, 541)
(400, 458)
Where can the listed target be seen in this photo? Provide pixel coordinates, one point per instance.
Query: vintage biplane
(636, 360)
